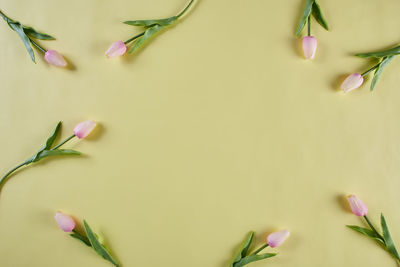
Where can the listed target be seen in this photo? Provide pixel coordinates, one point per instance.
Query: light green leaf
(81, 238)
(244, 248)
(152, 22)
(317, 13)
(19, 29)
(149, 33)
(57, 152)
(97, 246)
(388, 239)
(379, 70)
(306, 14)
(253, 258)
(38, 35)
(390, 52)
(366, 232)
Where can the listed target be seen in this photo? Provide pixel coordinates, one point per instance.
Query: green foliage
(312, 8)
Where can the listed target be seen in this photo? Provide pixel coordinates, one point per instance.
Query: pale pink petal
(309, 46)
(116, 49)
(277, 238)
(352, 82)
(357, 206)
(66, 223)
(83, 129)
(55, 58)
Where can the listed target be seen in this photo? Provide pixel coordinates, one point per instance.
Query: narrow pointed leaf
(306, 14)
(317, 13)
(19, 29)
(81, 238)
(253, 258)
(379, 70)
(388, 239)
(367, 232)
(58, 152)
(53, 136)
(152, 22)
(390, 52)
(244, 247)
(38, 35)
(149, 33)
(97, 246)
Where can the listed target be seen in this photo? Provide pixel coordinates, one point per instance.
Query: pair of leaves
(96, 245)
(46, 150)
(379, 70)
(312, 8)
(242, 258)
(385, 240)
(25, 33)
(381, 54)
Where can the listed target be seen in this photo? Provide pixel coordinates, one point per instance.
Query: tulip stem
(185, 9)
(372, 227)
(4, 16)
(63, 142)
(371, 69)
(260, 249)
(133, 38)
(38, 46)
(309, 25)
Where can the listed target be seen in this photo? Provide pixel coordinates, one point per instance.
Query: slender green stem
(4, 16)
(185, 9)
(260, 249)
(133, 38)
(63, 142)
(372, 227)
(371, 69)
(38, 46)
(309, 25)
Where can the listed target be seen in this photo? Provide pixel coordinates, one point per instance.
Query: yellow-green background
(215, 128)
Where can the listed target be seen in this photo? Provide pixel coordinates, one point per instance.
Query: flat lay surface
(217, 127)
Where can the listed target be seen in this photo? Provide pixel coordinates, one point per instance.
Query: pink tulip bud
(117, 49)
(353, 81)
(83, 129)
(357, 206)
(277, 238)
(55, 58)
(66, 223)
(309, 46)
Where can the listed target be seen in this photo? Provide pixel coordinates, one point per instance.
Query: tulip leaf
(317, 13)
(57, 152)
(379, 70)
(97, 246)
(253, 258)
(390, 52)
(38, 35)
(306, 14)
(149, 33)
(388, 239)
(16, 26)
(152, 22)
(49, 142)
(244, 248)
(81, 238)
(367, 232)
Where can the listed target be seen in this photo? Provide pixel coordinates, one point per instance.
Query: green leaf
(57, 152)
(253, 258)
(390, 52)
(152, 22)
(366, 232)
(317, 13)
(38, 35)
(16, 26)
(388, 239)
(379, 70)
(49, 142)
(97, 246)
(149, 33)
(244, 248)
(306, 14)
(81, 238)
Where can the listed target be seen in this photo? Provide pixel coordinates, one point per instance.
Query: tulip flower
(277, 238)
(116, 49)
(357, 206)
(309, 46)
(65, 222)
(353, 81)
(83, 129)
(55, 58)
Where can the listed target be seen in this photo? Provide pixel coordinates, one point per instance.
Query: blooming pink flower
(357, 206)
(55, 58)
(66, 223)
(353, 81)
(277, 238)
(309, 46)
(83, 129)
(116, 49)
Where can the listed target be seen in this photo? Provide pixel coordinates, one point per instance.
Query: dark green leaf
(149, 33)
(388, 239)
(306, 14)
(390, 52)
(20, 30)
(253, 258)
(152, 22)
(35, 34)
(379, 70)
(81, 238)
(97, 246)
(366, 232)
(53, 136)
(57, 152)
(317, 13)
(244, 247)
